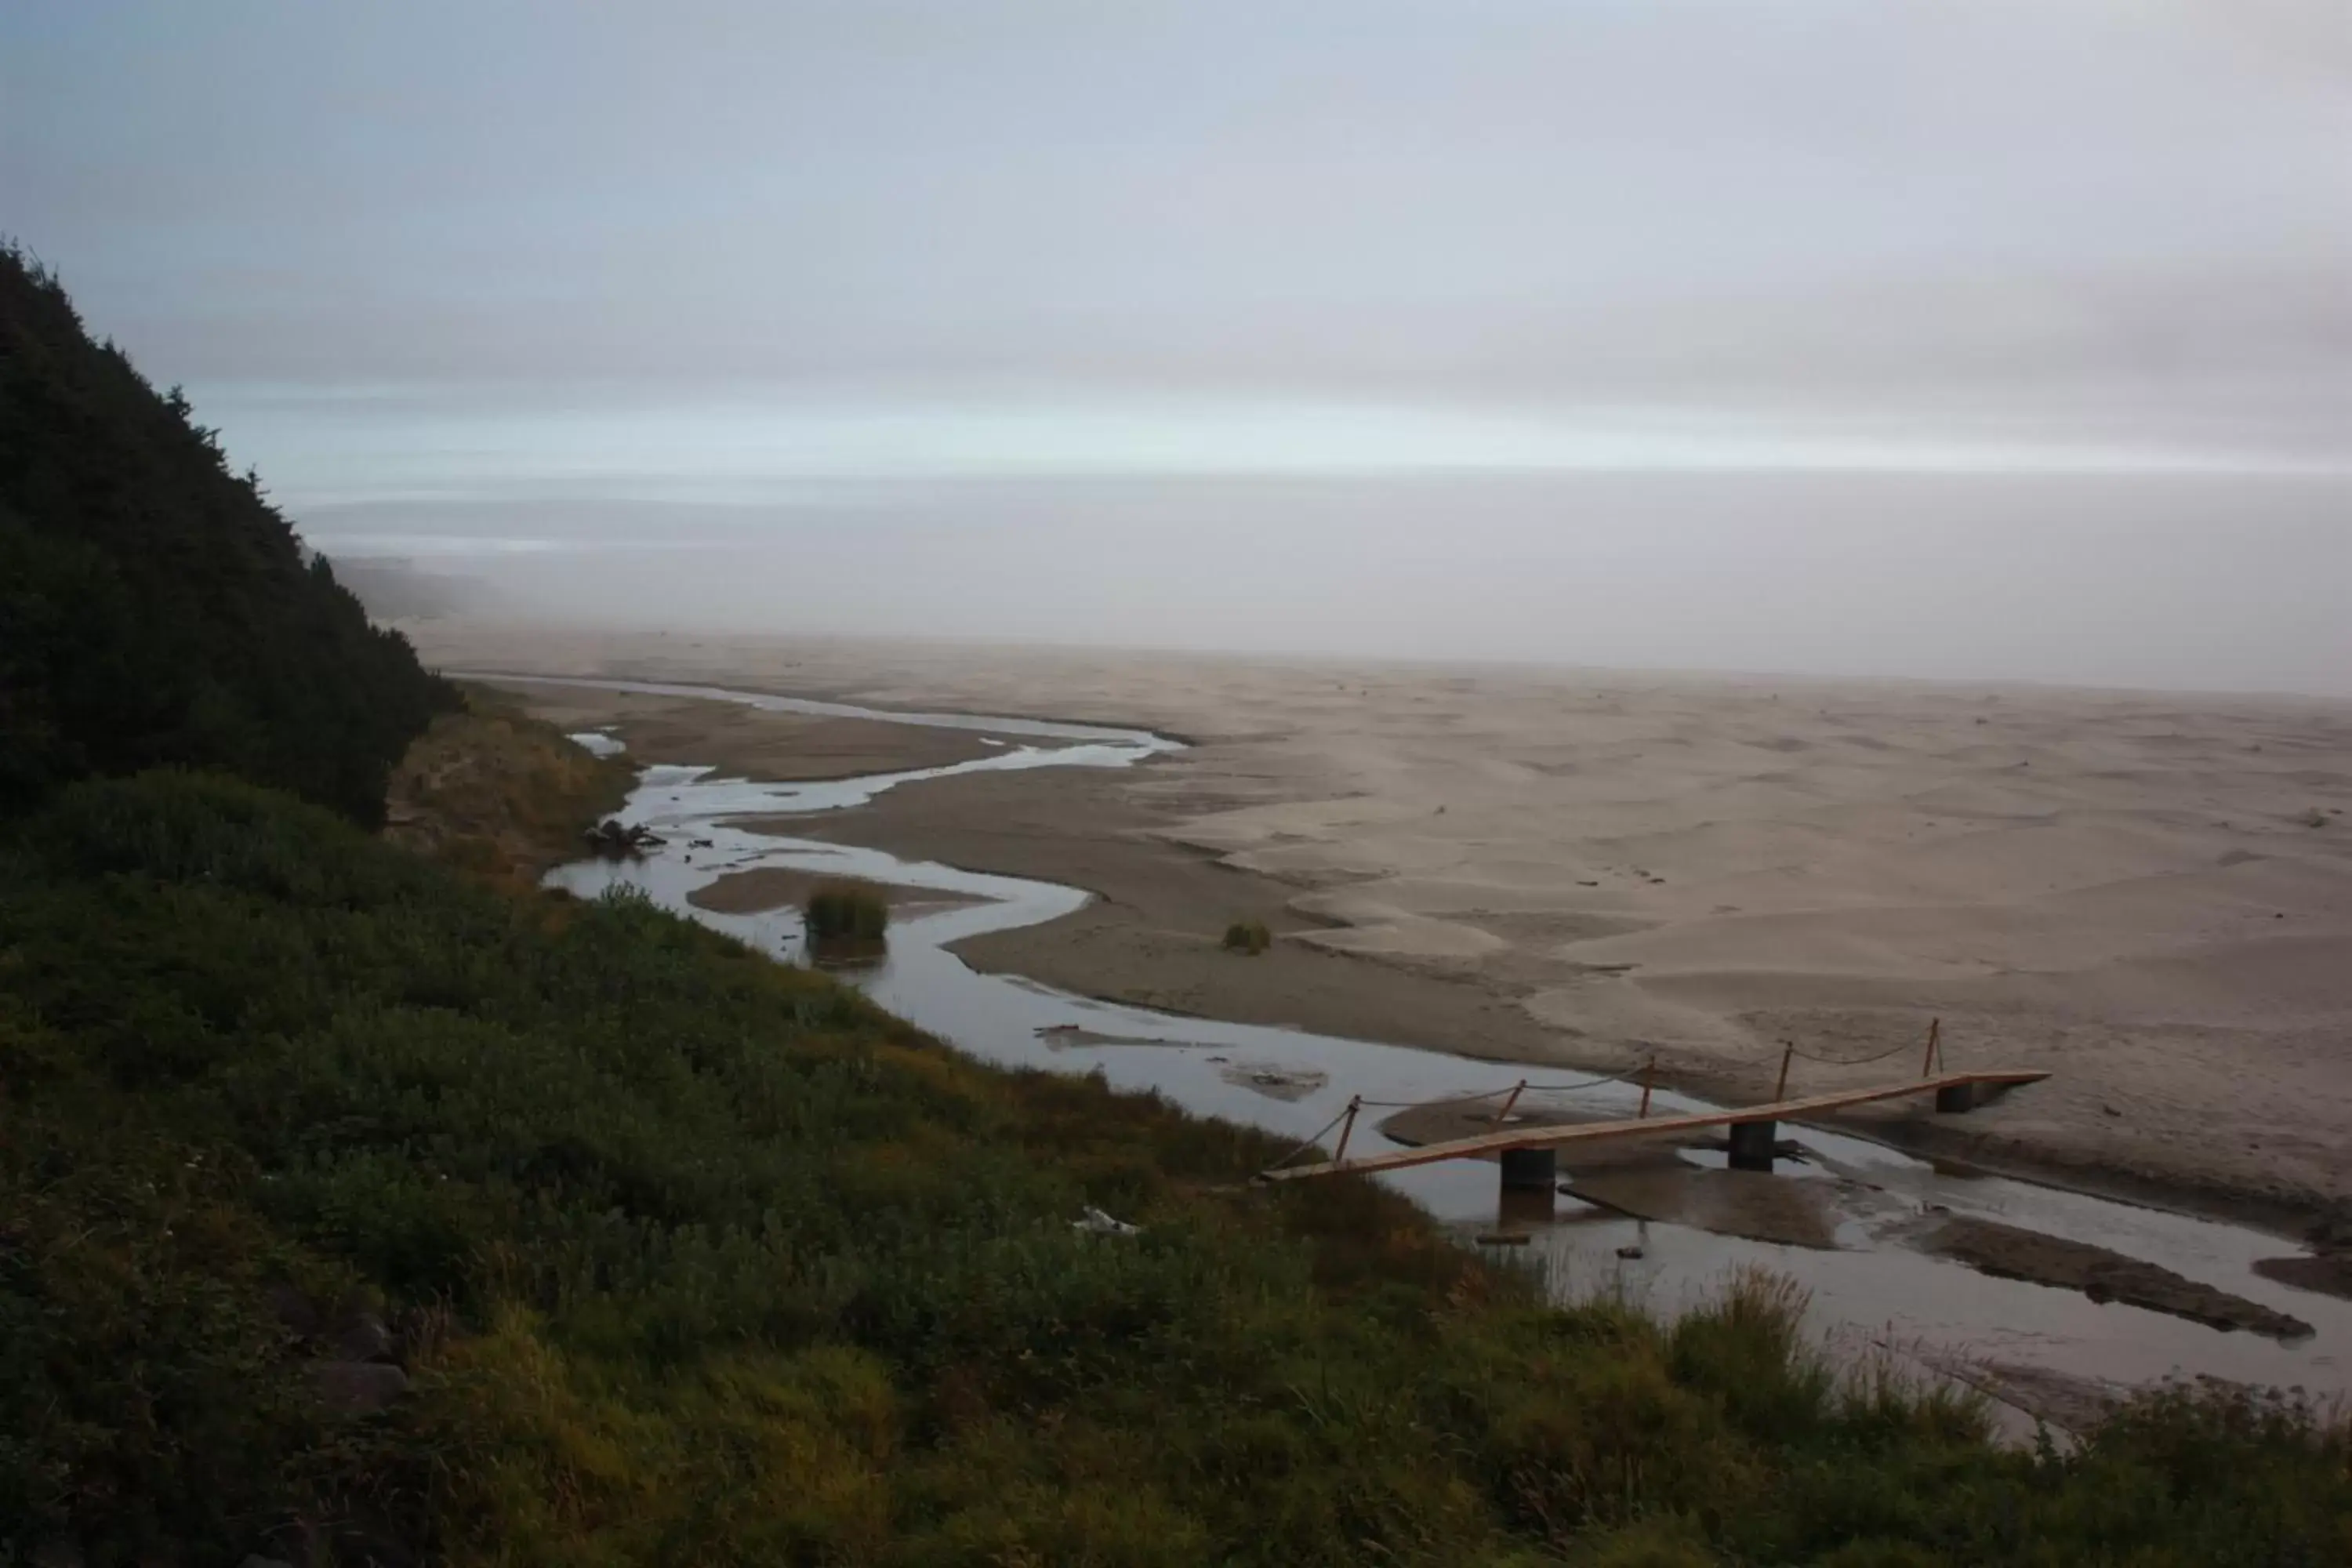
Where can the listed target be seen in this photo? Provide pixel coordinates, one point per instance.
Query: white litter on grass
(1100, 1224)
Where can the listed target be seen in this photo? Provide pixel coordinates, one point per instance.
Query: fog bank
(2189, 582)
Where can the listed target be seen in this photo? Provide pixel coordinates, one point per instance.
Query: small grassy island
(845, 921)
(1248, 937)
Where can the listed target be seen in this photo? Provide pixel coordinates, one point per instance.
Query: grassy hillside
(649, 1250)
(492, 791)
(154, 609)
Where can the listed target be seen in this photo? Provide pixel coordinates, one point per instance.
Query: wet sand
(2149, 894)
(2329, 1273)
(2103, 1275)
(2327, 1266)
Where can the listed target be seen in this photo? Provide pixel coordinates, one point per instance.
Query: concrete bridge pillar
(1526, 1169)
(1955, 1098)
(1751, 1145)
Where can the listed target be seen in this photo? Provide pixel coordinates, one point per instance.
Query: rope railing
(1579, 1083)
(1523, 1087)
(1846, 1061)
(1312, 1139)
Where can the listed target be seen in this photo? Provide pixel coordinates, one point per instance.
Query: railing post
(1781, 1090)
(1354, 1105)
(1516, 1089)
(1649, 1070)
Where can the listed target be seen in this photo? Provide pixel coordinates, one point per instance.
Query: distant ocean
(1624, 538)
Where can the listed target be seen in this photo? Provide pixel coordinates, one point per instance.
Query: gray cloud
(417, 249)
(1537, 196)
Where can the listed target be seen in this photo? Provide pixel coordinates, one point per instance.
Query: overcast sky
(440, 268)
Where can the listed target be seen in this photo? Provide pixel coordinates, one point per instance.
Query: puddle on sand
(1870, 1286)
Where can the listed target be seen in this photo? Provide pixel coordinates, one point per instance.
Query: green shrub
(1248, 936)
(845, 911)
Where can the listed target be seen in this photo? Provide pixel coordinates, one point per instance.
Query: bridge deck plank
(1648, 1127)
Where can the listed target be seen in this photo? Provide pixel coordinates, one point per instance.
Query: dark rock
(365, 1539)
(355, 1330)
(293, 1308)
(363, 1337)
(612, 836)
(1629, 1252)
(357, 1387)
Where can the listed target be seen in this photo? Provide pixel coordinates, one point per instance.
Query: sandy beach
(2149, 894)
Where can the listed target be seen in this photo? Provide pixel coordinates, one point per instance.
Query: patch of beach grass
(847, 912)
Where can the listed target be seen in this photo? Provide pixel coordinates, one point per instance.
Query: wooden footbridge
(1529, 1155)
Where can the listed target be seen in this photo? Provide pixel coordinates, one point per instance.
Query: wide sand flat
(2150, 894)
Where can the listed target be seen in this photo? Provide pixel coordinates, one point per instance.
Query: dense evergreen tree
(154, 609)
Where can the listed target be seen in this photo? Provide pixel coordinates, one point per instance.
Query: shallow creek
(1871, 1291)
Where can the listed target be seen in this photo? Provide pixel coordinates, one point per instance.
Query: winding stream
(1872, 1288)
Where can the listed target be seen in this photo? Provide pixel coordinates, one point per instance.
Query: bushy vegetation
(1248, 936)
(692, 1258)
(845, 913)
(154, 609)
